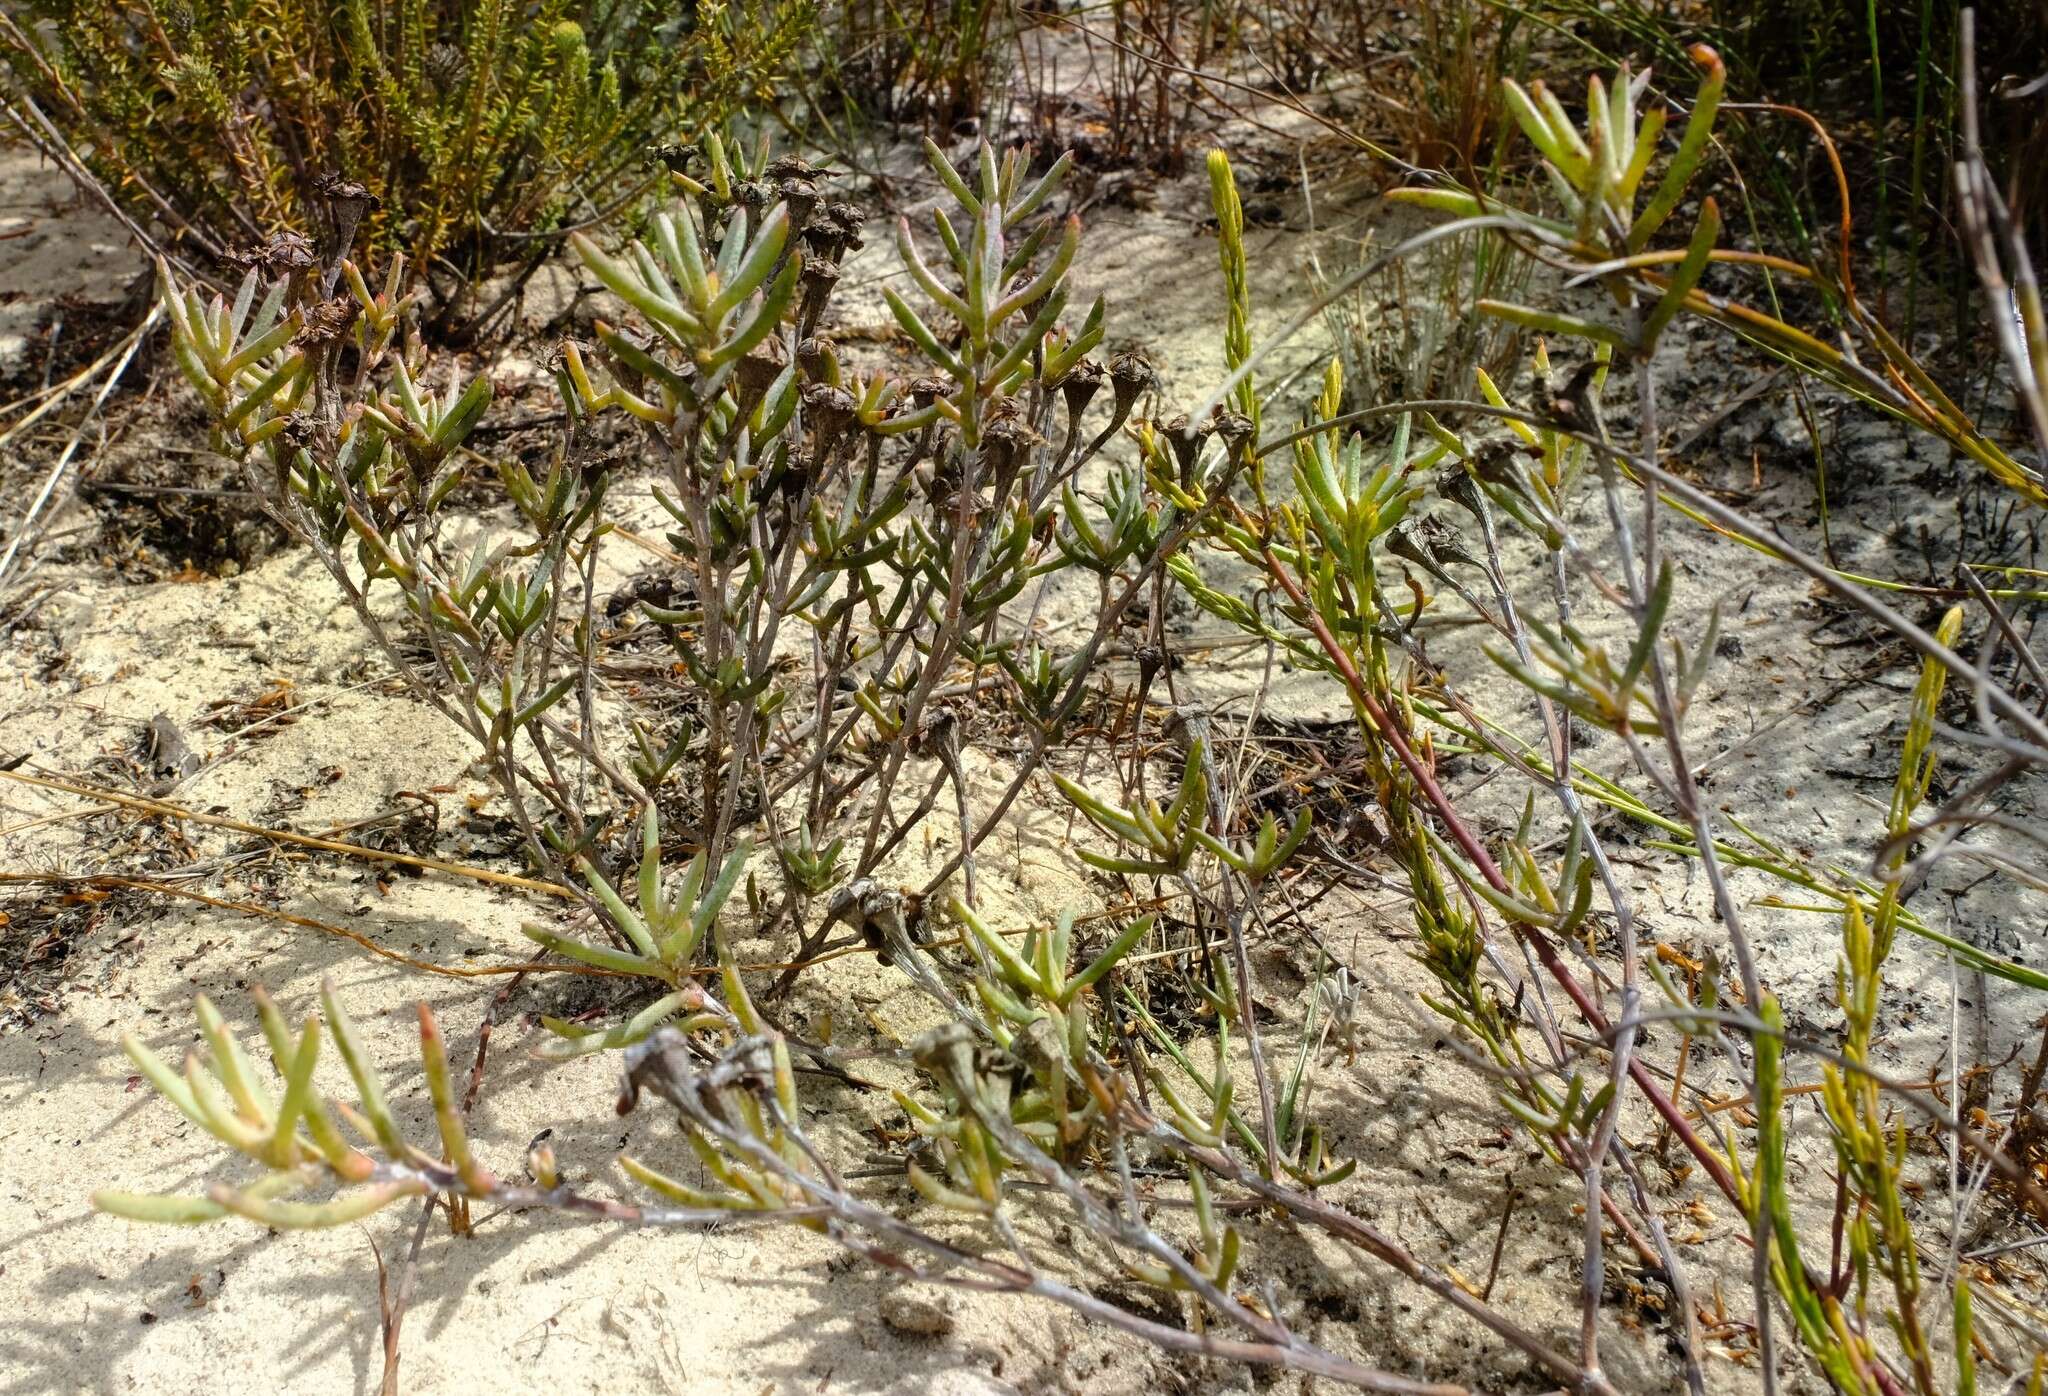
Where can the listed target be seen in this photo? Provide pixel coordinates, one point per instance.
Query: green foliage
(1883, 76)
(1031, 1006)
(1237, 333)
(891, 521)
(297, 1137)
(1871, 1150)
(666, 926)
(473, 122)
(1597, 170)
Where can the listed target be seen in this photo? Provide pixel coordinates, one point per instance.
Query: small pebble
(914, 1317)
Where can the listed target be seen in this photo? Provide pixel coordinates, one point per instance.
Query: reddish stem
(1545, 951)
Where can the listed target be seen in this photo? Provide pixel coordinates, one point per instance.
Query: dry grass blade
(286, 836)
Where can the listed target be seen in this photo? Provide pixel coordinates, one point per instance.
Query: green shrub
(889, 522)
(476, 123)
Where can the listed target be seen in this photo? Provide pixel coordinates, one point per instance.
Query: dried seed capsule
(830, 411)
(817, 357)
(1186, 439)
(299, 430)
(1129, 375)
(1006, 443)
(676, 159)
(832, 230)
(280, 254)
(347, 202)
(935, 737)
(924, 391)
(1495, 462)
(758, 371)
(846, 220)
(1079, 386)
(1401, 543)
(794, 167)
(800, 197)
(1234, 427)
(1443, 542)
(334, 188)
(326, 323)
(1454, 484)
(1575, 407)
(820, 278)
(941, 480)
(787, 480)
(1001, 409)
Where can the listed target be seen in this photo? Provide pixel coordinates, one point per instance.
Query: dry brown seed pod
(1186, 438)
(937, 733)
(674, 158)
(300, 430)
(1454, 484)
(1401, 543)
(815, 356)
(1080, 384)
(333, 187)
(1004, 425)
(800, 197)
(1006, 447)
(326, 322)
(880, 916)
(821, 238)
(1493, 463)
(1234, 427)
(832, 230)
(1442, 541)
(1130, 375)
(829, 408)
(1574, 406)
(347, 202)
(757, 371)
(845, 220)
(927, 389)
(280, 254)
(794, 167)
(820, 278)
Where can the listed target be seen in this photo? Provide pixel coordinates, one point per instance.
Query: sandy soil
(1793, 726)
(79, 257)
